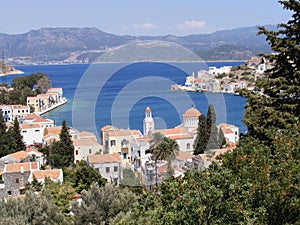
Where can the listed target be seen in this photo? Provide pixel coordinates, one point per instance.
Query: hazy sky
(140, 17)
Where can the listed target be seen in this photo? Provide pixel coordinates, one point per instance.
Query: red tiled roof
(104, 158)
(19, 155)
(41, 174)
(181, 136)
(122, 132)
(227, 131)
(16, 167)
(177, 130)
(28, 126)
(184, 156)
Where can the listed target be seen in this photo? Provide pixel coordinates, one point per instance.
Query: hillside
(84, 45)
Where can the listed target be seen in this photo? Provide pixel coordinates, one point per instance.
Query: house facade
(108, 165)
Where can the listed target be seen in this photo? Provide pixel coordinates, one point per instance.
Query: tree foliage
(100, 205)
(81, 176)
(278, 104)
(16, 139)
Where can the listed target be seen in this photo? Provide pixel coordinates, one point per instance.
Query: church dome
(192, 112)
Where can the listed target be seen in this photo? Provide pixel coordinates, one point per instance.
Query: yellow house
(34, 102)
(116, 140)
(20, 111)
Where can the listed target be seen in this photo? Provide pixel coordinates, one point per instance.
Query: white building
(223, 69)
(33, 118)
(7, 113)
(32, 133)
(231, 132)
(108, 165)
(138, 149)
(86, 144)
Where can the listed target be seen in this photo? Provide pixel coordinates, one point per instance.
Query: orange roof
(176, 130)
(41, 174)
(16, 167)
(184, 156)
(108, 127)
(31, 149)
(104, 158)
(28, 126)
(41, 120)
(227, 131)
(192, 112)
(19, 155)
(85, 142)
(86, 134)
(181, 136)
(31, 116)
(122, 132)
(53, 130)
(43, 95)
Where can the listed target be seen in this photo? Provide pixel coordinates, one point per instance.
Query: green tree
(100, 205)
(221, 138)
(4, 145)
(202, 137)
(66, 145)
(15, 137)
(212, 129)
(278, 104)
(81, 176)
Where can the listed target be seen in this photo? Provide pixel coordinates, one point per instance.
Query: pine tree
(66, 145)
(16, 139)
(202, 136)
(212, 129)
(278, 104)
(4, 145)
(221, 138)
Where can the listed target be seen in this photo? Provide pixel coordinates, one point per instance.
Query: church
(184, 134)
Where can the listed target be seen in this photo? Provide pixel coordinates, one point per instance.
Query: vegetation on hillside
(257, 183)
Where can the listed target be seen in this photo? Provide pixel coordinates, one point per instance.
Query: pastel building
(10, 112)
(84, 145)
(108, 165)
(116, 140)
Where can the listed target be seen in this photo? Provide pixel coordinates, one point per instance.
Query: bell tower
(148, 124)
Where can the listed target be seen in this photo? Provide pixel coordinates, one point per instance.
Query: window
(17, 180)
(76, 152)
(90, 151)
(124, 155)
(24, 131)
(235, 132)
(116, 180)
(107, 169)
(115, 169)
(188, 146)
(113, 143)
(8, 192)
(37, 131)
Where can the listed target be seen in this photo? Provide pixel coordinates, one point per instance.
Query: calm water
(122, 98)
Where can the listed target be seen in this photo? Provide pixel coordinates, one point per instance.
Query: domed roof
(148, 109)
(192, 112)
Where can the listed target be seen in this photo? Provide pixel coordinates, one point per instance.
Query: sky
(140, 17)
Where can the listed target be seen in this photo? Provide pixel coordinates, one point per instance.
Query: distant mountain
(83, 45)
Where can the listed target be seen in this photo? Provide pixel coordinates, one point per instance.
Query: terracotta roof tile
(122, 132)
(29, 126)
(19, 155)
(16, 167)
(104, 158)
(53, 174)
(184, 156)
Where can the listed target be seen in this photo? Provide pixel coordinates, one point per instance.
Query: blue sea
(118, 94)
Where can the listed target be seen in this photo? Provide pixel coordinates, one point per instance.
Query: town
(226, 79)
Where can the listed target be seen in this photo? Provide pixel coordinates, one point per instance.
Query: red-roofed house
(16, 176)
(231, 132)
(108, 165)
(32, 133)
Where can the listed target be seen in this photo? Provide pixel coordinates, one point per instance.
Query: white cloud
(192, 24)
(145, 26)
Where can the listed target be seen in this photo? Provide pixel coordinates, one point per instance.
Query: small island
(6, 69)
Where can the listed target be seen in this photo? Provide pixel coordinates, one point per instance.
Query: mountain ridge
(84, 45)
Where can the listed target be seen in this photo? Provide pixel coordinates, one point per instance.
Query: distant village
(226, 79)
(119, 148)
